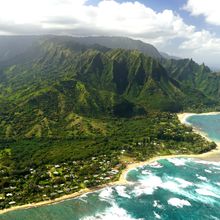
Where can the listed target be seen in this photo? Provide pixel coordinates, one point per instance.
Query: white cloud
(129, 18)
(31, 11)
(202, 41)
(109, 17)
(207, 8)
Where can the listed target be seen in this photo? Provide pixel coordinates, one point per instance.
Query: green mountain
(210, 85)
(121, 43)
(193, 75)
(73, 114)
(57, 86)
(186, 71)
(14, 46)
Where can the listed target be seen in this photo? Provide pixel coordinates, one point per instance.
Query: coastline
(213, 155)
(122, 181)
(183, 119)
(57, 200)
(183, 116)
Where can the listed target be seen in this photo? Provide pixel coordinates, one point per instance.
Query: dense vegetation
(72, 114)
(192, 75)
(51, 89)
(40, 169)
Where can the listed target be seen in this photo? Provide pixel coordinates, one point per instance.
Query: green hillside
(73, 114)
(57, 83)
(196, 76)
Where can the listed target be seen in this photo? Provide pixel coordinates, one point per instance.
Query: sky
(184, 28)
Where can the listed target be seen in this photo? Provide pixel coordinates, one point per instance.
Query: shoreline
(183, 119)
(122, 179)
(183, 116)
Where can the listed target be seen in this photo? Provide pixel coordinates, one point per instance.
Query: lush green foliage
(70, 112)
(39, 169)
(197, 78)
(53, 88)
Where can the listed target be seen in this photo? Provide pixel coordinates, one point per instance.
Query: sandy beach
(213, 155)
(57, 200)
(122, 180)
(183, 119)
(183, 116)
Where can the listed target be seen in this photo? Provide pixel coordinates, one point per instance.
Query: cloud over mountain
(165, 29)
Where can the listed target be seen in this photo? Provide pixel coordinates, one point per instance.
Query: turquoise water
(169, 189)
(177, 188)
(210, 124)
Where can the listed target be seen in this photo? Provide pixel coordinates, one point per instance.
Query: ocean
(169, 189)
(209, 124)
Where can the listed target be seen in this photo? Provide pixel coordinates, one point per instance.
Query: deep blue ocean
(169, 189)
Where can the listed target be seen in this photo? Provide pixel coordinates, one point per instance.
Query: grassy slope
(139, 138)
(67, 102)
(199, 79)
(47, 93)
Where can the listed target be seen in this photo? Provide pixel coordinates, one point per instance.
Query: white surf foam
(157, 216)
(214, 218)
(203, 178)
(147, 186)
(179, 203)
(121, 190)
(171, 186)
(146, 172)
(155, 164)
(178, 186)
(113, 213)
(206, 192)
(177, 161)
(156, 204)
(208, 162)
(106, 194)
(175, 185)
(216, 168)
(208, 171)
(183, 183)
(143, 189)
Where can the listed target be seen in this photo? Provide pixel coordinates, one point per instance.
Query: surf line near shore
(122, 180)
(183, 119)
(183, 116)
(211, 154)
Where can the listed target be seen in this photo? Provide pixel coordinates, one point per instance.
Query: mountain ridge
(58, 77)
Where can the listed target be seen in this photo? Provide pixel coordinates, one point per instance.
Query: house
(107, 178)
(9, 194)
(53, 194)
(56, 173)
(13, 187)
